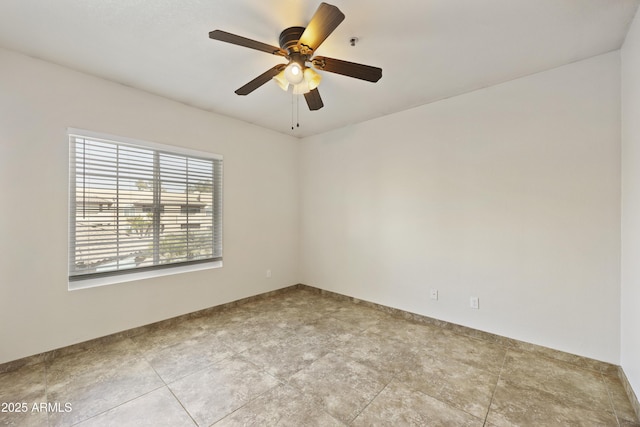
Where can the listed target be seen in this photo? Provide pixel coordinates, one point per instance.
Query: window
(191, 209)
(138, 206)
(190, 225)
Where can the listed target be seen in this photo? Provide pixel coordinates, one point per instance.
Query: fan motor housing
(289, 38)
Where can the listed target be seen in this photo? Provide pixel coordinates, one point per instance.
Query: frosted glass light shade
(312, 78)
(281, 80)
(293, 73)
(301, 88)
(301, 80)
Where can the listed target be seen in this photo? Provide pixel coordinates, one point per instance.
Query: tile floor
(300, 358)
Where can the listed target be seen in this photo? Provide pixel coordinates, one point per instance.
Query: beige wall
(631, 206)
(510, 194)
(38, 101)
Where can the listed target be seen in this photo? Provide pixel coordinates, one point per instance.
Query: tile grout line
(504, 361)
(234, 353)
(46, 390)
(192, 372)
(322, 407)
(281, 382)
(256, 397)
(395, 377)
(371, 401)
(629, 392)
(116, 406)
(439, 399)
(167, 386)
(142, 357)
(609, 394)
(182, 406)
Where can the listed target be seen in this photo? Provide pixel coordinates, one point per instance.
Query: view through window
(138, 207)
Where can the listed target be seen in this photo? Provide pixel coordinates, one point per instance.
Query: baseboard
(597, 365)
(74, 348)
(584, 362)
(630, 393)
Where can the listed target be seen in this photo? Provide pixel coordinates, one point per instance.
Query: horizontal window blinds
(135, 207)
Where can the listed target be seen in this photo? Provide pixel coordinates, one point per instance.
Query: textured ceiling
(428, 49)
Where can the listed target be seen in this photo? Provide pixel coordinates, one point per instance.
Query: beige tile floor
(300, 358)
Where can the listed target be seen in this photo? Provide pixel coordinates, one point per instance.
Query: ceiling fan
(297, 45)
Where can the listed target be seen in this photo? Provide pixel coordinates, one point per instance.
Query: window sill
(141, 275)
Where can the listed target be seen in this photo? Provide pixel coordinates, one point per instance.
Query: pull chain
(292, 95)
(295, 107)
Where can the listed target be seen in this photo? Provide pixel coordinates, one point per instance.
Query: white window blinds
(138, 207)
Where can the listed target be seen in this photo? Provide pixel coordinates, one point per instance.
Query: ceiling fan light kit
(301, 81)
(293, 73)
(297, 45)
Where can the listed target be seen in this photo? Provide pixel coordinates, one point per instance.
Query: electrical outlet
(433, 294)
(268, 274)
(474, 302)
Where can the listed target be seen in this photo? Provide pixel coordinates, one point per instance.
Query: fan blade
(324, 21)
(350, 69)
(313, 100)
(260, 80)
(223, 36)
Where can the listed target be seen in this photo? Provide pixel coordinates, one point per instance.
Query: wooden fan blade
(350, 69)
(313, 100)
(323, 22)
(223, 36)
(260, 80)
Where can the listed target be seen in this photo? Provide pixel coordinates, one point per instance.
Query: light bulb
(293, 73)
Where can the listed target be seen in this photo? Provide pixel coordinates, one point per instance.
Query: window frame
(137, 273)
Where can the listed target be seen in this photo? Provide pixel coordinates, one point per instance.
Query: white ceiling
(428, 49)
